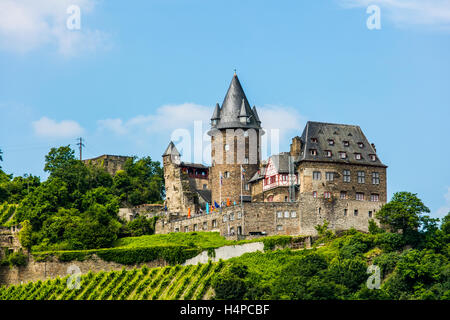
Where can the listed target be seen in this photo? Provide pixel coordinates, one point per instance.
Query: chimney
(296, 147)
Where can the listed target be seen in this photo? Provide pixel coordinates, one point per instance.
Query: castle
(331, 173)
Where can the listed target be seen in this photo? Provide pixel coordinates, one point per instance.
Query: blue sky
(136, 71)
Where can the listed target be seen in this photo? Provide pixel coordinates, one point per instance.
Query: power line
(80, 145)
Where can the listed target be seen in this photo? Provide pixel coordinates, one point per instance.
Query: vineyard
(178, 282)
(6, 212)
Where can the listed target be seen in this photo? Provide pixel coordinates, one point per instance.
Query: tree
(59, 158)
(1, 158)
(25, 234)
(404, 213)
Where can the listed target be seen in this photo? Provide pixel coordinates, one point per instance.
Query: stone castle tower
(235, 144)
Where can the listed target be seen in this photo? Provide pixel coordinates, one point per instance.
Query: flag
(234, 202)
(189, 212)
(207, 208)
(221, 178)
(242, 172)
(228, 202)
(216, 205)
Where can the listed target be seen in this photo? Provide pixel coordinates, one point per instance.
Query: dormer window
(373, 157)
(313, 152)
(346, 143)
(214, 122)
(360, 144)
(358, 156)
(331, 142)
(328, 153)
(314, 140)
(343, 155)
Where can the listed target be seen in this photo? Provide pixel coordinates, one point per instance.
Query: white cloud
(171, 117)
(27, 25)
(49, 128)
(442, 211)
(425, 13)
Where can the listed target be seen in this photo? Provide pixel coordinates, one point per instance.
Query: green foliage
(17, 258)
(140, 226)
(324, 233)
(25, 234)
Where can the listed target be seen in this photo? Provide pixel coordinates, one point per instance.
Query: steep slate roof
(339, 133)
(258, 175)
(171, 150)
(234, 104)
(281, 162)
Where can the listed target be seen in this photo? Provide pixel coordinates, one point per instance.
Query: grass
(203, 240)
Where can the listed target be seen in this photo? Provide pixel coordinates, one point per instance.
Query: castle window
(360, 144)
(231, 216)
(314, 194)
(314, 140)
(239, 216)
(279, 214)
(214, 223)
(286, 214)
(245, 160)
(346, 143)
(327, 195)
(227, 174)
(205, 186)
(375, 178)
(370, 214)
(373, 157)
(195, 227)
(316, 175)
(358, 156)
(177, 229)
(246, 187)
(232, 231)
(227, 147)
(331, 142)
(205, 225)
(279, 227)
(270, 198)
(285, 198)
(313, 152)
(343, 195)
(225, 218)
(345, 212)
(272, 179)
(293, 214)
(329, 176)
(374, 197)
(361, 177)
(320, 209)
(355, 213)
(186, 229)
(346, 175)
(328, 154)
(343, 155)
(360, 196)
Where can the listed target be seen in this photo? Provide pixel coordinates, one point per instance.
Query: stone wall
(111, 163)
(145, 210)
(42, 270)
(308, 184)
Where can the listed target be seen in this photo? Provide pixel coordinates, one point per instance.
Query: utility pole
(80, 145)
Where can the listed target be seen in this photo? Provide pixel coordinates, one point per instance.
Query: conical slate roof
(171, 150)
(256, 114)
(216, 114)
(235, 104)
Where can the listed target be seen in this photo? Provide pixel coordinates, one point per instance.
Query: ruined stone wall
(111, 163)
(145, 210)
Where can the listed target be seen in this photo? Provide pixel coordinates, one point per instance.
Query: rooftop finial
(235, 71)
